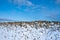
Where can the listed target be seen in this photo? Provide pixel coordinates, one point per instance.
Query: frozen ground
(29, 33)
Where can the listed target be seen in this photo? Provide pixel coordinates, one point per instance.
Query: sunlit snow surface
(29, 33)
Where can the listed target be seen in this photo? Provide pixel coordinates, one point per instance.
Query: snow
(29, 33)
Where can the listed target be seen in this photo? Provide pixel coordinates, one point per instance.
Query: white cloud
(21, 2)
(29, 5)
(57, 1)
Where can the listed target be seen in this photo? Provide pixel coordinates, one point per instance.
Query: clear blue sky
(29, 10)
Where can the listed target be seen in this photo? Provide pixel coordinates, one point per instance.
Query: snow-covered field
(30, 32)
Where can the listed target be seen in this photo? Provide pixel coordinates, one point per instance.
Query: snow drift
(30, 30)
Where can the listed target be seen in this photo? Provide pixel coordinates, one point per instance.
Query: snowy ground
(29, 33)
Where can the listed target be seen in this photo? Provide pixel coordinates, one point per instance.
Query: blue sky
(30, 10)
